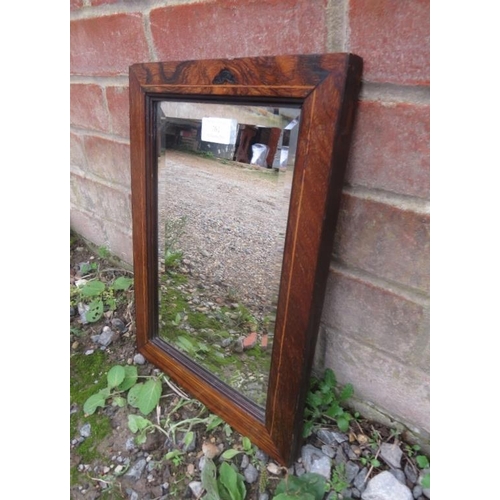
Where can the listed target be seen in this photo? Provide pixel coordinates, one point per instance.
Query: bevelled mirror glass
(237, 169)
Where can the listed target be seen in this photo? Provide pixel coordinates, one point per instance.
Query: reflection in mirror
(224, 183)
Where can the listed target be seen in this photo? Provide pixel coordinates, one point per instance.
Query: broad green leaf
(422, 461)
(347, 392)
(214, 422)
(137, 423)
(122, 283)
(308, 427)
(141, 438)
(309, 483)
(426, 480)
(230, 479)
(228, 454)
(173, 454)
(343, 423)
(188, 439)
(133, 395)
(105, 393)
(130, 378)
(184, 344)
(93, 288)
(334, 410)
(208, 480)
(96, 309)
(149, 396)
(116, 375)
(92, 403)
(247, 444)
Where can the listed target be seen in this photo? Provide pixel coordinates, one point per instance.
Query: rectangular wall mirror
(237, 169)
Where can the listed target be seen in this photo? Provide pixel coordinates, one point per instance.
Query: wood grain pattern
(326, 86)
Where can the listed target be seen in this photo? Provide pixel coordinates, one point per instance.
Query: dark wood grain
(326, 86)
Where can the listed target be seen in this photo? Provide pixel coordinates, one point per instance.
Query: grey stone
(349, 451)
(88, 352)
(328, 451)
(130, 444)
(340, 457)
(355, 493)
(351, 471)
(202, 462)
(260, 455)
(139, 359)
(251, 474)
(264, 496)
(226, 342)
(196, 488)
(299, 470)
(245, 460)
(133, 495)
(106, 336)
(411, 474)
(391, 454)
(119, 325)
(135, 472)
(417, 491)
(314, 460)
(399, 475)
(85, 431)
(331, 437)
(359, 480)
(385, 486)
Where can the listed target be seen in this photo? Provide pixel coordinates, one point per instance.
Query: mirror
(237, 170)
(224, 183)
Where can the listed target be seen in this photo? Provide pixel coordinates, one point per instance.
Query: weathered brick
(103, 2)
(231, 28)
(393, 38)
(119, 242)
(107, 45)
(87, 226)
(77, 151)
(88, 107)
(384, 240)
(118, 105)
(75, 4)
(401, 390)
(377, 317)
(108, 159)
(390, 148)
(110, 205)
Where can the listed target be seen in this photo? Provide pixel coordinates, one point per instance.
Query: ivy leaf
(93, 288)
(96, 309)
(130, 378)
(92, 403)
(122, 283)
(116, 375)
(133, 395)
(149, 396)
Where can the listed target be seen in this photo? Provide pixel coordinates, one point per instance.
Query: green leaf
(93, 288)
(422, 461)
(247, 444)
(308, 427)
(287, 496)
(133, 395)
(122, 283)
(185, 344)
(149, 396)
(208, 480)
(130, 378)
(228, 454)
(119, 401)
(92, 403)
(214, 422)
(347, 392)
(116, 375)
(232, 482)
(309, 483)
(329, 377)
(137, 423)
(188, 439)
(343, 423)
(426, 480)
(96, 309)
(334, 410)
(375, 462)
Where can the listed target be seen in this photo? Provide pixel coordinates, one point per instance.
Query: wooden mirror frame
(326, 87)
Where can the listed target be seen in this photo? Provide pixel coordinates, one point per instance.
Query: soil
(101, 462)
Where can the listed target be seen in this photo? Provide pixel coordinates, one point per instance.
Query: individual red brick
(77, 152)
(118, 105)
(75, 4)
(393, 38)
(88, 107)
(390, 148)
(384, 240)
(231, 28)
(107, 45)
(386, 320)
(111, 205)
(108, 159)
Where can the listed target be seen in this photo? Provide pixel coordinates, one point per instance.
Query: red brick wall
(376, 313)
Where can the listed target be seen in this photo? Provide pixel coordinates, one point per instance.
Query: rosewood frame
(326, 87)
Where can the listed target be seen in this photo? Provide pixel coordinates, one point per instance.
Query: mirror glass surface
(224, 183)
